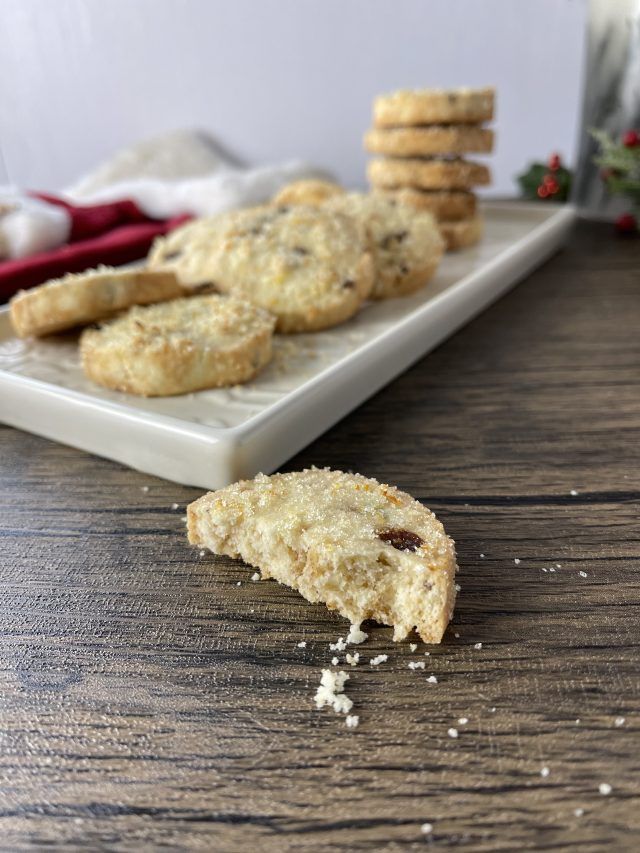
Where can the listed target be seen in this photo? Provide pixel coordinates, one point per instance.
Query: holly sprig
(546, 182)
(619, 162)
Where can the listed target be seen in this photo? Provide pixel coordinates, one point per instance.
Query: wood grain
(149, 702)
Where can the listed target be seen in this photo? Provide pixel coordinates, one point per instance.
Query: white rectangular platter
(212, 438)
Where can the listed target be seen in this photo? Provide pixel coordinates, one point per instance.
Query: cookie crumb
(202, 553)
(477, 646)
(492, 710)
(413, 646)
(573, 493)
(331, 692)
(334, 661)
(239, 583)
(338, 646)
(578, 812)
(482, 556)
(545, 772)
(463, 721)
(255, 576)
(458, 588)
(352, 721)
(144, 488)
(426, 829)
(605, 788)
(175, 506)
(353, 659)
(517, 561)
(378, 659)
(432, 679)
(456, 635)
(302, 644)
(356, 636)
(582, 574)
(452, 732)
(416, 664)
(619, 721)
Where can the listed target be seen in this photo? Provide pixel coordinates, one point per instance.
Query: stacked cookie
(423, 136)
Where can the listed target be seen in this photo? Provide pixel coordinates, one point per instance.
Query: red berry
(626, 224)
(543, 192)
(551, 184)
(555, 162)
(631, 138)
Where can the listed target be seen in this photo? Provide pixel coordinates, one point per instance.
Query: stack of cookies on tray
(423, 137)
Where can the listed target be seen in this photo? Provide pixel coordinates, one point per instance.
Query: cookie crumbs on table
(331, 691)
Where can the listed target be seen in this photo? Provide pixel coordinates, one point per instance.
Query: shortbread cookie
(425, 141)
(79, 299)
(187, 252)
(434, 106)
(180, 346)
(365, 549)
(428, 174)
(463, 233)
(307, 192)
(443, 204)
(406, 244)
(309, 266)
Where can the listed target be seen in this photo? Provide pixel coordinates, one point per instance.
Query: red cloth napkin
(113, 233)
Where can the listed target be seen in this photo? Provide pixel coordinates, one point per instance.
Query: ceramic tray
(212, 438)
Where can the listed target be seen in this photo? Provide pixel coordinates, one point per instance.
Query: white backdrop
(273, 79)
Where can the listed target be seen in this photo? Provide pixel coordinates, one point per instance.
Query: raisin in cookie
(463, 233)
(434, 106)
(307, 192)
(406, 244)
(426, 141)
(310, 266)
(184, 345)
(443, 204)
(79, 299)
(365, 549)
(428, 174)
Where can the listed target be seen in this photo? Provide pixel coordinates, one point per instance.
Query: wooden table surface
(152, 698)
